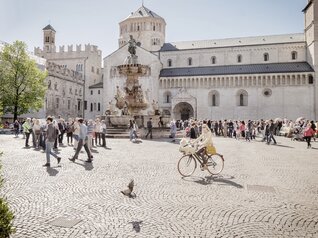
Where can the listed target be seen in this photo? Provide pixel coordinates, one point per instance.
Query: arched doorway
(183, 111)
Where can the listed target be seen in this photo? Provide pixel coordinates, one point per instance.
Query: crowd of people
(50, 134)
(301, 129)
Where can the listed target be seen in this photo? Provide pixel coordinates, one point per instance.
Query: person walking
(134, 131)
(37, 132)
(90, 132)
(308, 133)
(82, 141)
(103, 130)
(192, 133)
(61, 126)
(69, 132)
(98, 132)
(76, 131)
(50, 139)
(131, 130)
(27, 129)
(271, 132)
(173, 130)
(149, 127)
(16, 126)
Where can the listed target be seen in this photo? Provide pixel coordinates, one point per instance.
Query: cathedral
(239, 78)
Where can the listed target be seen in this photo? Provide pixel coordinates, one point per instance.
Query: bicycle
(213, 163)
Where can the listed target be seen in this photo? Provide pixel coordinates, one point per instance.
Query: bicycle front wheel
(215, 164)
(187, 165)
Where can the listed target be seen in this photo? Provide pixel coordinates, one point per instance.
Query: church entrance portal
(183, 111)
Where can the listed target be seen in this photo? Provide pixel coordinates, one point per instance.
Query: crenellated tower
(146, 27)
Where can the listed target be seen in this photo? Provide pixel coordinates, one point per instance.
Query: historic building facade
(68, 64)
(65, 91)
(239, 78)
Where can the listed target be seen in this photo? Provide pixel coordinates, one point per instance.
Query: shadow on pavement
(94, 151)
(286, 146)
(51, 171)
(87, 166)
(220, 180)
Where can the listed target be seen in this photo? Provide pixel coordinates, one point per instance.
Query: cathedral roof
(238, 69)
(230, 42)
(143, 12)
(49, 27)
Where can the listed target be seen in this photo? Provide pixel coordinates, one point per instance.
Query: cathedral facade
(239, 78)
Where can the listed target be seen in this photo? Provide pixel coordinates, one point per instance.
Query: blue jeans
(48, 151)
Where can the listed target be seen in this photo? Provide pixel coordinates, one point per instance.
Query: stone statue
(155, 105)
(119, 93)
(120, 98)
(110, 106)
(132, 46)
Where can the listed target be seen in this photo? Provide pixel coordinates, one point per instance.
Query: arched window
(169, 62)
(189, 61)
(239, 58)
(154, 28)
(214, 98)
(266, 57)
(213, 60)
(294, 55)
(167, 97)
(98, 107)
(242, 98)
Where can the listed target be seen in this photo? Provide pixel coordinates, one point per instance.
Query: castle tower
(311, 37)
(48, 39)
(146, 27)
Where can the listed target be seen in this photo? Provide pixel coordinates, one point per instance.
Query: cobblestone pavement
(263, 191)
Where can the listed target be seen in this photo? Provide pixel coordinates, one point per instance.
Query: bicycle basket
(210, 149)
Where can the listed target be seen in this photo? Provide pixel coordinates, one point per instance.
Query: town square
(158, 119)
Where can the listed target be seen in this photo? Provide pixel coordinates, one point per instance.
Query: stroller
(298, 134)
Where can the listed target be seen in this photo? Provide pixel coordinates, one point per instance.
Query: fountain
(131, 101)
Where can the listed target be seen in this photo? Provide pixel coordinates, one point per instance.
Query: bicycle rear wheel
(187, 165)
(215, 164)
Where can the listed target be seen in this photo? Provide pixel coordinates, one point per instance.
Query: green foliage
(6, 216)
(22, 87)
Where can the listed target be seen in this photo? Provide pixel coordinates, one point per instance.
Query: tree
(22, 86)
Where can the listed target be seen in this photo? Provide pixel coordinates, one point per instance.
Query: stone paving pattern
(167, 205)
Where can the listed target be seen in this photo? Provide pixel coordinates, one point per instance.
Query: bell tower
(146, 27)
(311, 37)
(49, 39)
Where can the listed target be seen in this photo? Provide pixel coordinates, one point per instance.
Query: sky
(96, 21)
